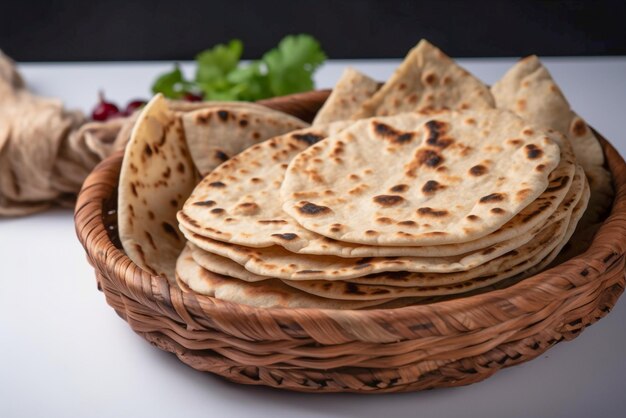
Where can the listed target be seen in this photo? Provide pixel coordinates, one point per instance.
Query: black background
(61, 30)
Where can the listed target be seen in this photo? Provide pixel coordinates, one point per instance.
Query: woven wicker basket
(449, 343)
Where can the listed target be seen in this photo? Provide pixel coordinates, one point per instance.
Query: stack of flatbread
(428, 187)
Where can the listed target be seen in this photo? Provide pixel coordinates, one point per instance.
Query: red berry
(192, 97)
(104, 110)
(133, 105)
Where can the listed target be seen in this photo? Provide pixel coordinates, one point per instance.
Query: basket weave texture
(451, 343)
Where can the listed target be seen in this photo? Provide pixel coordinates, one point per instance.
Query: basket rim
(609, 241)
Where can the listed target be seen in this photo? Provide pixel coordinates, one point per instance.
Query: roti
(427, 80)
(216, 133)
(420, 180)
(270, 226)
(529, 90)
(157, 175)
(352, 89)
(270, 294)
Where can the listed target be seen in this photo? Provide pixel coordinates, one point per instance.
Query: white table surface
(65, 353)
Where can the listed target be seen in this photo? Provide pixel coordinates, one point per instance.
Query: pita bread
(269, 294)
(420, 180)
(529, 90)
(352, 89)
(157, 175)
(216, 133)
(427, 80)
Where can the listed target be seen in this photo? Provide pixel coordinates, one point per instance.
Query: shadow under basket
(449, 343)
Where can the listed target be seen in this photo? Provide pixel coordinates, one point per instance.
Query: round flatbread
(269, 294)
(420, 180)
(219, 131)
(157, 175)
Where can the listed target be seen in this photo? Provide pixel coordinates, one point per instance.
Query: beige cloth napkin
(46, 151)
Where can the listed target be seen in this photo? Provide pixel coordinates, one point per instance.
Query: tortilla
(157, 175)
(270, 294)
(352, 89)
(427, 80)
(420, 180)
(529, 90)
(216, 133)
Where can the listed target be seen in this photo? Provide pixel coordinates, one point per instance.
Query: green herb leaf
(170, 84)
(291, 65)
(286, 69)
(217, 62)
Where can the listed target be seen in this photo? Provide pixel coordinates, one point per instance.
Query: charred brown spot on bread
(207, 203)
(523, 194)
(528, 132)
(399, 188)
(218, 211)
(497, 211)
(558, 184)
(223, 115)
(533, 151)
(521, 104)
(436, 131)
(309, 271)
(386, 200)
(473, 218)
(391, 134)
(256, 135)
(188, 220)
(170, 230)
(147, 150)
(536, 212)
(540, 168)
(426, 211)
(243, 123)
(430, 78)
(287, 236)
(514, 142)
(493, 197)
(579, 128)
(371, 232)
(174, 203)
(311, 209)
(435, 234)
(487, 251)
(308, 138)
(353, 289)
(424, 157)
(150, 239)
(180, 168)
(408, 223)
(217, 184)
(247, 208)
(272, 221)
(255, 180)
(133, 189)
(204, 118)
(478, 170)
(384, 220)
(151, 215)
(432, 186)
(221, 155)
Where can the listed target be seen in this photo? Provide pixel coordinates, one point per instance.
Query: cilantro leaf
(288, 68)
(171, 84)
(291, 65)
(217, 62)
